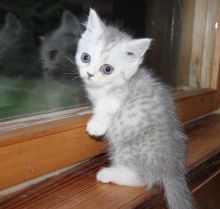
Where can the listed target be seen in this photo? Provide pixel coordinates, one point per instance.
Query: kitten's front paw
(104, 175)
(95, 129)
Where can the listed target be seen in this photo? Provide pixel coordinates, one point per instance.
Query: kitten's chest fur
(96, 94)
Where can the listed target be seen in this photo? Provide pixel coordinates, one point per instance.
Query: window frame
(36, 145)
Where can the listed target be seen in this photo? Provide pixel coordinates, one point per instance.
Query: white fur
(104, 110)
(94, 22)
(106, 102)
(99, 86)
(127, 65)
(121, 175)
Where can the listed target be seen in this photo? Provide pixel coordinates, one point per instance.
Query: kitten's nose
(90, 75)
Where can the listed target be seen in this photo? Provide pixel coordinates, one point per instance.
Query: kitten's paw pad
(104, 175)
(95, 129)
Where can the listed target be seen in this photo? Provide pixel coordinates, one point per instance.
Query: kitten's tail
(177, 193)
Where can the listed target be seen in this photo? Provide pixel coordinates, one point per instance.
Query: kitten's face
(107, 56)
(100, 66)
(55, 51)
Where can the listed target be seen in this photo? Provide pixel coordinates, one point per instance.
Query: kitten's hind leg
(121, 175)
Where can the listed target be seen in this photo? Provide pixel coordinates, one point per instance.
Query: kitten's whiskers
(71, 61)
(71, 73)
(75, 78)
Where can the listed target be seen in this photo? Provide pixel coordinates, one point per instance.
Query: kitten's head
(107, 56)
(58, 48)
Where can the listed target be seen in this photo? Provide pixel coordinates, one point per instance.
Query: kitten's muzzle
(89, 75)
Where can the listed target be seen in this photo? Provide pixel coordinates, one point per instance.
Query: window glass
(38, 40)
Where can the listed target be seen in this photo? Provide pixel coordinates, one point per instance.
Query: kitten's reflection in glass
(18, 51)
(58, 49)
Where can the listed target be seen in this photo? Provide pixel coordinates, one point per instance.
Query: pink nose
(90, 75)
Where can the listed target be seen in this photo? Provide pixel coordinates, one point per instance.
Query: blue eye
(85, 58)
(107, 69)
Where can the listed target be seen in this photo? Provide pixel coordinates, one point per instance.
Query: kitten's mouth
(90, 81)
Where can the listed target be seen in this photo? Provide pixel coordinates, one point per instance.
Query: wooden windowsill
(78, 189)
(44, 144)
(28, 128)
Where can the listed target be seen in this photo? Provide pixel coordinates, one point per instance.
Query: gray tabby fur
(136, 114)
(153, 145)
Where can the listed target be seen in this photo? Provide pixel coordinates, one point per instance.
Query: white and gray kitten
(134, 111)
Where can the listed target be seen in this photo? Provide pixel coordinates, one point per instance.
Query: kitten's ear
(70, 23)
(94, 23)
(136, 48)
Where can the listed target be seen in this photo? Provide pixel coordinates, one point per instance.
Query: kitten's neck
(95, 93)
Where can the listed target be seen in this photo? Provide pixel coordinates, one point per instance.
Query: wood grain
(207, 192)
(205, 45)
(195, 104)
(186, 36)
(32, 158)
(198, 43)
(209, 42)
(78, 189)
(215, 81)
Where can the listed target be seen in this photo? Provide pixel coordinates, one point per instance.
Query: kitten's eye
(85, 58)
(107, 69)
(52, 54)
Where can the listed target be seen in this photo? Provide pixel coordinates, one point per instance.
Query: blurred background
(38, 40)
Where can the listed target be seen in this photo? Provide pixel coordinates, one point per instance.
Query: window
(37, 45)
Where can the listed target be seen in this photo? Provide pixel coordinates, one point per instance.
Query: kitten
(18, 51)
(58, 48)
(134, 111)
